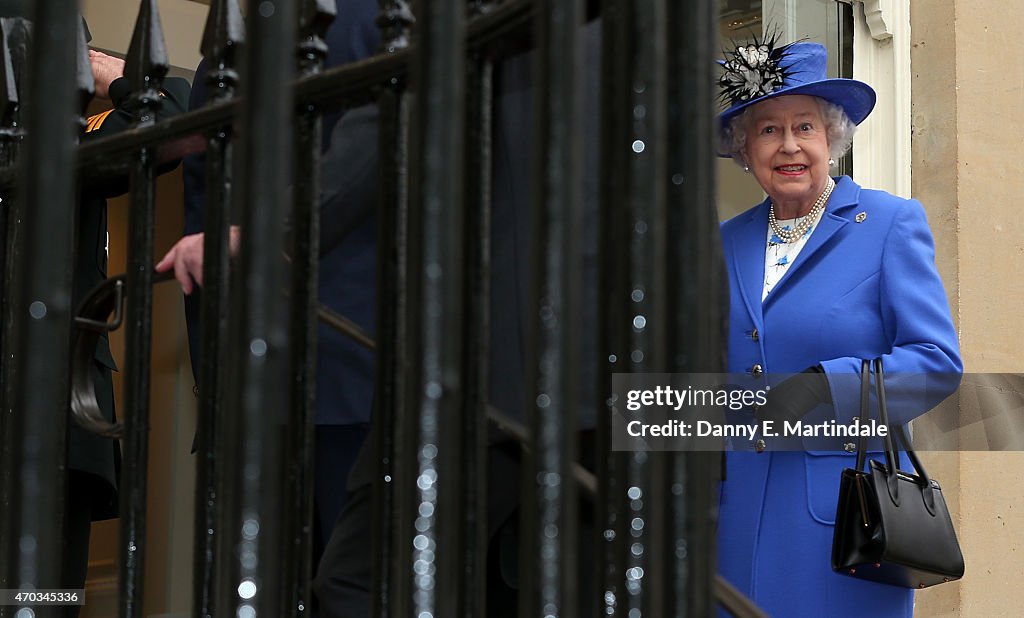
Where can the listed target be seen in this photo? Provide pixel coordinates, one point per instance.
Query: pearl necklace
(805, 223)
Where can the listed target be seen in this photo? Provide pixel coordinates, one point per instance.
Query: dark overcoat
(89, 452)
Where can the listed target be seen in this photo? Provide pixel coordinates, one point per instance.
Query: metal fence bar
(38, 319)
(477, 248)
(258, 333)
(145, 67)
(391, 386)
(438, 71)
(10, 131)
(699, 294)
(12, 67)
(392, 500)
(429, 534)
(613, 277)
(315, 16)
(553, 397)
(11, 134)
(223, 35)
(634, 293)
(644, 300)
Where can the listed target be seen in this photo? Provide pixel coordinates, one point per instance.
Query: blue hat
(761, 71)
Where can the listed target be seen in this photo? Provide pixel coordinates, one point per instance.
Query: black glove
(794, 397)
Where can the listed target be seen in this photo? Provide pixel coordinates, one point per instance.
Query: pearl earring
(746, 168)
(831, 161)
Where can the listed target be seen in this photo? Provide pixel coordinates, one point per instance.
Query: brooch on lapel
(860, 217)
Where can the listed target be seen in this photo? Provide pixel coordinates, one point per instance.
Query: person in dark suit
(344, 393)
(343, 581)
(92, 460)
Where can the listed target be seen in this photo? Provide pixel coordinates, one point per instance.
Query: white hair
(838, 126)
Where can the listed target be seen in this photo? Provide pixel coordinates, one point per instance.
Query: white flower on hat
(754, 55)
(752, 71)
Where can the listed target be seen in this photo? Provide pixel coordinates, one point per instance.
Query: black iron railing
(39, 247)
(659, 306)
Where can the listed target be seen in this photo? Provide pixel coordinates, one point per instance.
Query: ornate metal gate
(660, 308)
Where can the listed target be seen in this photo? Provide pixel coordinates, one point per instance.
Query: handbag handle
(891, 459)
(865, 412)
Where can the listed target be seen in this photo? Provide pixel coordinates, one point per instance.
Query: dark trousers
(82, 489)
(336, 450)
(343, 581)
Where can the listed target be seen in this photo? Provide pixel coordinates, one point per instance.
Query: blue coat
(858, 289)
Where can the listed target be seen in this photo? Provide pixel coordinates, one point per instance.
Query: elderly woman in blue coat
(823, 273)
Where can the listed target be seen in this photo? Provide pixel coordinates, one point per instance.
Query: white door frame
(881, 58)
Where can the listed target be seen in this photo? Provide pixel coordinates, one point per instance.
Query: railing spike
(84, 78)
(315, 17)
(479, 7)
(8, 85)
(223, 38)
(224, 33)
(17, 38)
(147, 64)
(395, 22)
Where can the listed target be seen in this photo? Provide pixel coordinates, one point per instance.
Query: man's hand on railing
(186, 258)
(105, 69)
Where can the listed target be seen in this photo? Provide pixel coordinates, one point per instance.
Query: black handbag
(892, 527)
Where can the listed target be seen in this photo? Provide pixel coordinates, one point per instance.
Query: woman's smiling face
(787, 151)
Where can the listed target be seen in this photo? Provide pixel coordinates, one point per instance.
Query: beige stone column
(967, 109)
